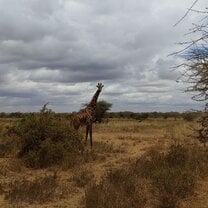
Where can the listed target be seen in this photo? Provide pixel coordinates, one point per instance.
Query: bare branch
(186, 13)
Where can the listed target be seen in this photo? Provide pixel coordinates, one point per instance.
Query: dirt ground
(116, 143)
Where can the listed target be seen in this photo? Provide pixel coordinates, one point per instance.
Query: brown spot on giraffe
(86, 117)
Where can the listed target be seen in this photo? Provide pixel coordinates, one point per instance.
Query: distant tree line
(189, 116)
(103, 115)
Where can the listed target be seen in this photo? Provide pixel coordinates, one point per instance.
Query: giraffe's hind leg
(90, 135)
(87, 131)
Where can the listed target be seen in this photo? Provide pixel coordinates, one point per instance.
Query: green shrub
(47, 140)
(5, 148)
(8, 145)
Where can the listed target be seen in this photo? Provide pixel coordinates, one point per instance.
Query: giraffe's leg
(87, 131)
(91, 135)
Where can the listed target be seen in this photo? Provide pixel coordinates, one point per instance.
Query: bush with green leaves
(7, 146)
(47, 140)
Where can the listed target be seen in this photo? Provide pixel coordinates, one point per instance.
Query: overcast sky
(58, 50)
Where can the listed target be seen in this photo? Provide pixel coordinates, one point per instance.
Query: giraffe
(86, 116)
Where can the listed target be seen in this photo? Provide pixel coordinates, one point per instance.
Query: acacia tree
(195, 68)
(101, 109)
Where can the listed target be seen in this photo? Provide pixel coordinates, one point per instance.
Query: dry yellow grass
(116, 143)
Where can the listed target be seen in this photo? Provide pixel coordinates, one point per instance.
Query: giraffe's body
(86, 116)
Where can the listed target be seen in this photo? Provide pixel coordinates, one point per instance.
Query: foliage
(195, 68)
(124, 114)
(160, 115)
(140, 116)
(7, 146)
(46, 140)
(203, 130)
(190, 116)
(101, 108)
(195, 54)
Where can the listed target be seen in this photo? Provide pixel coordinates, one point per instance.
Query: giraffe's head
(100, 86)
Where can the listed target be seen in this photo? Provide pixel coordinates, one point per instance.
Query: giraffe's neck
(93, 102)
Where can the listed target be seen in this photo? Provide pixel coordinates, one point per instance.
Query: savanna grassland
(153, 163)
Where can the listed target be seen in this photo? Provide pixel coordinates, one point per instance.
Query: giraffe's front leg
(87, 131)
(91, 135)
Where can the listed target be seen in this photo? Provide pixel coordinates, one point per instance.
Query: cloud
(58, 50)
(164, 71)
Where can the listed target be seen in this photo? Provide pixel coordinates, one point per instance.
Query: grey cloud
(12, 93)
(165, 71)
(58, 49)
(3, 76)
(76, 73)
(27, 20)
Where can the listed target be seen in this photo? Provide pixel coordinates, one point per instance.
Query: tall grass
(155, 180)
(40, 190)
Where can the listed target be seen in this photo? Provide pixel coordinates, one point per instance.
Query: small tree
(101, 109)
(195, 68)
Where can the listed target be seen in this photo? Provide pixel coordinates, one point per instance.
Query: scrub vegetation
(156, 161)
